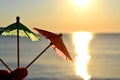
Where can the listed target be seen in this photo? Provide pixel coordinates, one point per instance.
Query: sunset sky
(63, 15)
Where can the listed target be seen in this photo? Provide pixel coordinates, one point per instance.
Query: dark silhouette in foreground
(17, 74)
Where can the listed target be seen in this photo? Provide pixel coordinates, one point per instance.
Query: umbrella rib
(27, 34)
(38, 56)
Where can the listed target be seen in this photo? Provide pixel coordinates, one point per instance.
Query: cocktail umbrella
(56, 42)
(20, 30)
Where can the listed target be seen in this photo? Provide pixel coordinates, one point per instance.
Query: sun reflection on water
(81, 42)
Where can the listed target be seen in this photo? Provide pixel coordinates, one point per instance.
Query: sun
(81, 3)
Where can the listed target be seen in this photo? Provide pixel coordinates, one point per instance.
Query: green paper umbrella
(20, 30)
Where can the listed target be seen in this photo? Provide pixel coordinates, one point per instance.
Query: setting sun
(81, 2)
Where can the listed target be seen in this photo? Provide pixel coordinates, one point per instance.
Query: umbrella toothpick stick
(5, 65)
(18, 59)
(38, 56)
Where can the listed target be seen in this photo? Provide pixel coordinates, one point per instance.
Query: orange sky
(63, 15)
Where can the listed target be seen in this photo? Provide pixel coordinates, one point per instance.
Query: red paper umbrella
(56, 42)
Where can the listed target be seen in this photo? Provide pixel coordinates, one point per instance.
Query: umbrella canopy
(23, 31)
(57, 43)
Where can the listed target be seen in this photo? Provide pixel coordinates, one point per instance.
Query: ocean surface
(95, 57)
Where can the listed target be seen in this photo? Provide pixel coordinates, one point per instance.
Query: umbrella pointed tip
(17, 18)
(61, 34)
(35, 28)
(69, 59)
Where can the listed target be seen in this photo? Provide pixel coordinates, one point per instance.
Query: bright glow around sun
(81, 41)
(81, 3)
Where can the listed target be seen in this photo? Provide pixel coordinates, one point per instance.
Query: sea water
(104, 62)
